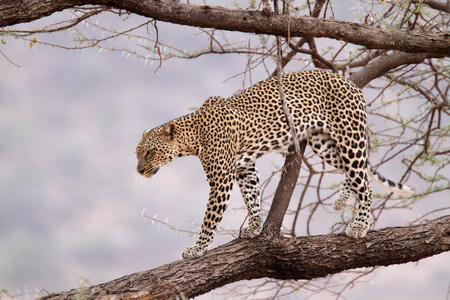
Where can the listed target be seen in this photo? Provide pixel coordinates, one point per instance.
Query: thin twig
(283, 98)
(10, 61)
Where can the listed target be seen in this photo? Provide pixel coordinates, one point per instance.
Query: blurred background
(74, 212)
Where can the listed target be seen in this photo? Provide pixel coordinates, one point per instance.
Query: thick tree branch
(386, 63)
(13, 12)
(279, 258)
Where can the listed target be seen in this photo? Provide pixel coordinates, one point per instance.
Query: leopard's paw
(193, 252)
(357, 230)
(250, 232)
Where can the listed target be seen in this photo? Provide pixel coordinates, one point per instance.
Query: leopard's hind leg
(354, 158)
(353, 163)
(322, 144)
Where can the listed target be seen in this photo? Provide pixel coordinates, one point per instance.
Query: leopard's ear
(168, 131)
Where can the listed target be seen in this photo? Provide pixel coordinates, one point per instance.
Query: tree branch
(279, 258)
(383, 64)
(13, 12)
(442, 6)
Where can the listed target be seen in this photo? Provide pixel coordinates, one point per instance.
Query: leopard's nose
(140, 170)
(140, 166)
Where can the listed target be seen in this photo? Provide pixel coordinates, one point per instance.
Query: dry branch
(279, 258)
(14, 12)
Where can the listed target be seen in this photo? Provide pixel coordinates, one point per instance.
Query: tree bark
(275, 257)
(13, 12)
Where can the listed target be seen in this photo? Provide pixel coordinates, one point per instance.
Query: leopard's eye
(148, 153)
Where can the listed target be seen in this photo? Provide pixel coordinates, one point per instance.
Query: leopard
(229, 134)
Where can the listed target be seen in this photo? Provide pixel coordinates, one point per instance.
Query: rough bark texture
(280, 258)
(13, 12)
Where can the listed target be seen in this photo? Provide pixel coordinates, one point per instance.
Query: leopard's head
(157, 148)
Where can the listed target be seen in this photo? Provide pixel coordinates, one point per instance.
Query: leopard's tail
(387, 183)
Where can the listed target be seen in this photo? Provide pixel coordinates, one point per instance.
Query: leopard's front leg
(221, 173)
(217, 204)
